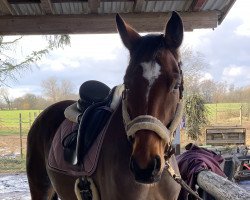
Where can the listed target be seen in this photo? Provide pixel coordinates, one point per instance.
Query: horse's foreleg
(52, 195)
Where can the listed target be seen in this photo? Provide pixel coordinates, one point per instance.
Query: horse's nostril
(149, 174)
(157, 165)
(152, 169)
(133, 165)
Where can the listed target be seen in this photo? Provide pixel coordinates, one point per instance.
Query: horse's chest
(135, 192)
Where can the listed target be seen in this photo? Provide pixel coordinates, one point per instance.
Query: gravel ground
(14, 187)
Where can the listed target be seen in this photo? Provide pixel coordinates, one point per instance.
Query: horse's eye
(177, 85)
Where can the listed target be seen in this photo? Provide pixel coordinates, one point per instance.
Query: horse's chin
(148, 180)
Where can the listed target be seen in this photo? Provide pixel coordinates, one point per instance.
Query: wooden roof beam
(96, 23)
(47, 6)
(6, 8)
(94, 5)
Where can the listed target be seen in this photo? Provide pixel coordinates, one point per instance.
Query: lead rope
(180, 181)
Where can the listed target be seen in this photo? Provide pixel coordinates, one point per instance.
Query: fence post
(241, 115)
(30, 119)
(21, 137)
(216, 113)
(35, 115)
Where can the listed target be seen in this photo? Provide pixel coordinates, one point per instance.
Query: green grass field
(227, 113)
(225, 106)
(220, 107)
(10, 121)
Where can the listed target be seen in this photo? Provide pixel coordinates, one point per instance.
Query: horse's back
(39, 141)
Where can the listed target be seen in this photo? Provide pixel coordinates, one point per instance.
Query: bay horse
(137, 145)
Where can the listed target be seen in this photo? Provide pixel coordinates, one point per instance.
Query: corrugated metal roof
(166, 6)
(215, 4)
(27, 9)
(71, 8)
(118, 7)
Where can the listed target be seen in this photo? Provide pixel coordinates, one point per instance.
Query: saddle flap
(77, 144)
(90, 126)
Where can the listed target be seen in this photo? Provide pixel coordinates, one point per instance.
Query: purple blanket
(194, 160)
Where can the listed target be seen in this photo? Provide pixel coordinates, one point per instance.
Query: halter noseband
(148, 122)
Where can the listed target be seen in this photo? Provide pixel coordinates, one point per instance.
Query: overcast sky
(103, 57)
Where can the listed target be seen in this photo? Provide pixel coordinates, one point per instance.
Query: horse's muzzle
(149, 175)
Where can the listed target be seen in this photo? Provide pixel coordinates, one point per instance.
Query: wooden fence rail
(221, 188)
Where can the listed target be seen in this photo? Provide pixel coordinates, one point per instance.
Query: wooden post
(30, 119)
(35, 115)
(216, 113)
(241, 115)
(221, 188)
(21, 135)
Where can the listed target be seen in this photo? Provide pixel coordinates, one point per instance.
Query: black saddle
(92, 92)
(94, 103)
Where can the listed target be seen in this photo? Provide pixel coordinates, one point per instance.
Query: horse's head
(153, 89)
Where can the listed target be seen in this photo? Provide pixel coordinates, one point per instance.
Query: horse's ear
(174, 31)
(128, 35)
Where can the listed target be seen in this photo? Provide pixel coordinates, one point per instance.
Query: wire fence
(14, 124)
(14, 127)
(229, 114)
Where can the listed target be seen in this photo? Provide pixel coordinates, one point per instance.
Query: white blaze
(151, 71)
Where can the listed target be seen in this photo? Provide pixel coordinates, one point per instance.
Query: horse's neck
(116, 135)
(114, 163)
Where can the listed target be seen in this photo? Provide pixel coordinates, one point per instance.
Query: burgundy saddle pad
(56, 160)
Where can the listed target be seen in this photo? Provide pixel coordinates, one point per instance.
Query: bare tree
(193, 68)
(220, 92)
(207, 87)
(56, 90)
(66, 90)
(51, 89)
(5, 97)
